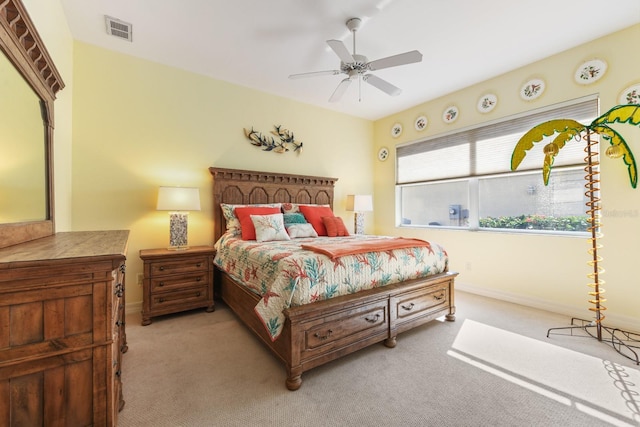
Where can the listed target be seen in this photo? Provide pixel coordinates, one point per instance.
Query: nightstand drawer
(165, 300)
(166, 283)
(179, 266)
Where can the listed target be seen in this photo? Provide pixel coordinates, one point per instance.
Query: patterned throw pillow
(233, 224)
(269, 227)
(244, 213)
(335, 226)
(301, 230)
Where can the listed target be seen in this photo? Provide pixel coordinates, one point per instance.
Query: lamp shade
(178, 199)
(360, 203)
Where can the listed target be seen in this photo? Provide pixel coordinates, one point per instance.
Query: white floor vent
(118, 28)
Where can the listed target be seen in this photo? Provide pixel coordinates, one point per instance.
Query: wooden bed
(317, 333)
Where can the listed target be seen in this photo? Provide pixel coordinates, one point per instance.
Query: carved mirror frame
(22, 46)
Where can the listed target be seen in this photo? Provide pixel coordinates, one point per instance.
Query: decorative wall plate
(487, 102)
(532, 89)
(383, 154)
(421, 123)
(630, 95)
(396, 130)
(590, 71)
(450, 114)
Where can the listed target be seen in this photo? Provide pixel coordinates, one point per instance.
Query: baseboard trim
(612, 320)
(134, 307)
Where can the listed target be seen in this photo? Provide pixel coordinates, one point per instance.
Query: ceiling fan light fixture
(355, 65)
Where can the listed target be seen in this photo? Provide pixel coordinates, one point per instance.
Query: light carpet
(493, 366)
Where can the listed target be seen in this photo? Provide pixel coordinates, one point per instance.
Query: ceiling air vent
(118, 28)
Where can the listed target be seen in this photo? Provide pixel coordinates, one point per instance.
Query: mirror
(29, 82)
(23, 183)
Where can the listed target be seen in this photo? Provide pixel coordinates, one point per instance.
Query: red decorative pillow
(335, 226)
(244, 216)
(314, 214)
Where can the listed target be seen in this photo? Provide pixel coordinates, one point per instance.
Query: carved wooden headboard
(235, 186)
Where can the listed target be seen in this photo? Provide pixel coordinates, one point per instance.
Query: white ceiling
(259, 43)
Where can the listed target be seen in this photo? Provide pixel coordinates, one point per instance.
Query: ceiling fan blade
(395, 60)
(315, 74)
(340, 90)
(341, 50)
(383, 85)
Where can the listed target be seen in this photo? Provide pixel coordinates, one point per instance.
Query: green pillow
(294, 218)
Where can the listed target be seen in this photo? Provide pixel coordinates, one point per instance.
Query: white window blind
(487, 149)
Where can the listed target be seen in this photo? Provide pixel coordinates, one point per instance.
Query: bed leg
(294, 378)
(294, 382)
(391, 341)
(452, 314)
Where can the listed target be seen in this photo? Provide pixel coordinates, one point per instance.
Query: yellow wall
(543, 271)
(138, 125)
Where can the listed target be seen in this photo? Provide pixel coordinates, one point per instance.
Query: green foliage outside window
(537, 222)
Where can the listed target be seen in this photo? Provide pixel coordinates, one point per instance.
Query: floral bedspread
(285, 275)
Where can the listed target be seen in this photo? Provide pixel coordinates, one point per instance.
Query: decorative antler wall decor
(624, 342)
(286, 140)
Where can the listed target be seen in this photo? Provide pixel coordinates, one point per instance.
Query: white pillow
(301, 230)
(269, 227)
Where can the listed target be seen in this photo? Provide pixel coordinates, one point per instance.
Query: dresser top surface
(72, 245)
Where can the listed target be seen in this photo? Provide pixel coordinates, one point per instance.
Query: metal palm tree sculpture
(566, 131)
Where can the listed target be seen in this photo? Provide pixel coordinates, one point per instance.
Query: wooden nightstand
(176, 280)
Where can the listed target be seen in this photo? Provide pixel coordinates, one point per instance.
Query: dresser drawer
(347, 326)
(424, 302)
(197, 297)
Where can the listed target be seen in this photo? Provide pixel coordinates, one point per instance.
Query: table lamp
(359, 203)
(178, 201)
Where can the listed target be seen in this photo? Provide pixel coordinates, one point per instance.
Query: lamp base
(178, 225)
(358, 226)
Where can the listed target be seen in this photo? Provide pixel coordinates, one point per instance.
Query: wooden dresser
(176, 280)
(62, 329)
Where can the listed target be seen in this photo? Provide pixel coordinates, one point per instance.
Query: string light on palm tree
(565, 131)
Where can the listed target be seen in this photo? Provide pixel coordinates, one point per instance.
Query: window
(464, 179)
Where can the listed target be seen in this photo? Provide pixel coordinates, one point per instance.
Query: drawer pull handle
(162, 268)
(197, 294)
(439, 297)
(323, 337)
(199, 279)
(161, 284)
(199, 264)
(408, 307)
(373, 319)
(161, 300)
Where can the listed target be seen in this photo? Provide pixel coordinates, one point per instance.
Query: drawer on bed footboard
(420, 305)
(344, 327)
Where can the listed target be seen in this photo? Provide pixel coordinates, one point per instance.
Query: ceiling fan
(356, 66)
